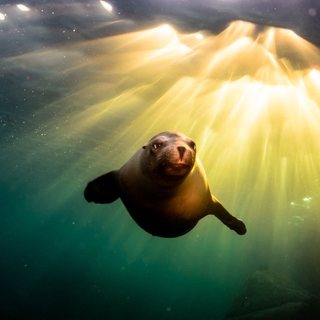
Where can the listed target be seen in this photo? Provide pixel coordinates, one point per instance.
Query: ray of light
(250, 100)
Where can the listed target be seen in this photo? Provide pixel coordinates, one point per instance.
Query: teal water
(72, 111)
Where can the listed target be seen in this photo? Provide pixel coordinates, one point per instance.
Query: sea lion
(164, 188)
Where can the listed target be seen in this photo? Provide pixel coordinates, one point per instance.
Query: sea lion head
(170, 157)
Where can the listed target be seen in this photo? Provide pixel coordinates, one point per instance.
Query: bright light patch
(2, 16)
(22, 7)
(199, 36)
(306, 199)
(165, 28)
(107, 6)
(315, 73)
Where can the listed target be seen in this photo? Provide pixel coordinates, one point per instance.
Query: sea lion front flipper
(227, 218)
(103, 189)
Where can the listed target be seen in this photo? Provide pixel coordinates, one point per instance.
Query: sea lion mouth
(171, 174)
(176, 169)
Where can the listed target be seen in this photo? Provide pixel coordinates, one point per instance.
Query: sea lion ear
(144, 147)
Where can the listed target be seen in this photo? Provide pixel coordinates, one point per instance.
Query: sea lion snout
(181, 151)
(176, 155)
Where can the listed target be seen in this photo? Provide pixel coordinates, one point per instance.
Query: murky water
(249, 97)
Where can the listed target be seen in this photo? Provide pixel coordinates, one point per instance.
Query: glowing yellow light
(22, 7)
(107, 6)
(199, 36)
(2, 16)
(315, 73)
(165, 28)
(248, 97)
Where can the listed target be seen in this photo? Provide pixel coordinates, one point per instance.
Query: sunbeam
(248, 96)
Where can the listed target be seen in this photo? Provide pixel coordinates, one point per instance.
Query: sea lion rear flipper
(103, 189)
(227, 218)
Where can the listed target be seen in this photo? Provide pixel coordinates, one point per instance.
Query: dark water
(77, 100)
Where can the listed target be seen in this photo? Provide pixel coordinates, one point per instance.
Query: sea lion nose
(181, 151)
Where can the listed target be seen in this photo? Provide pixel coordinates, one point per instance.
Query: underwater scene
(84, 85)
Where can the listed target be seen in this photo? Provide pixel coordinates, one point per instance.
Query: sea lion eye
(193, 145)
(157, 145)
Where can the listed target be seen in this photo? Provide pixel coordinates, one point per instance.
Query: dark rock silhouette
(267, 296)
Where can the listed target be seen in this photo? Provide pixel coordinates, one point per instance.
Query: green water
(72, 112)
